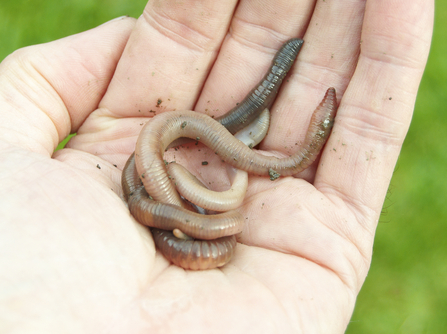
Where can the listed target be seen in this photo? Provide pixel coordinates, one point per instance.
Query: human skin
(73, 259)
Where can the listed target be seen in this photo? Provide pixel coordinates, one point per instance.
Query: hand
(73, 258)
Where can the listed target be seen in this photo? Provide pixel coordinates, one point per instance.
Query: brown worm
(164, 128)
(264, 93)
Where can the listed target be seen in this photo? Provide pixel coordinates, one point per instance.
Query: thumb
(47, 90)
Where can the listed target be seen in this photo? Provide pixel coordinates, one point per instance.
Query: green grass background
(406, 289)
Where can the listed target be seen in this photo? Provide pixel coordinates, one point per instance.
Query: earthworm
(264, 93)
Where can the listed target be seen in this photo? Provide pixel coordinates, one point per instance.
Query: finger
(48, 90)
(168, 57)
(376, 109)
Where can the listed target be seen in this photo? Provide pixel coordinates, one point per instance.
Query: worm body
(263, 95)
(168, 217)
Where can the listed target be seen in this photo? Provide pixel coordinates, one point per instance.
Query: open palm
(74, 260)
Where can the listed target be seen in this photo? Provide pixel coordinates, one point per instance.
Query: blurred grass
(27, 22)
(406, 289)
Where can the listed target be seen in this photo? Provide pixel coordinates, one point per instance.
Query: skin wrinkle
(376, 110)
(195, 39)
(243, 40)
(297, 13)
(324, 70)
(336, 273)
(389, 59)
(343, 277)
(97, 80)
(314, 83)
(276, 298)
(361, 126)
(76, 104)
(87, 66)
(185, 84)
